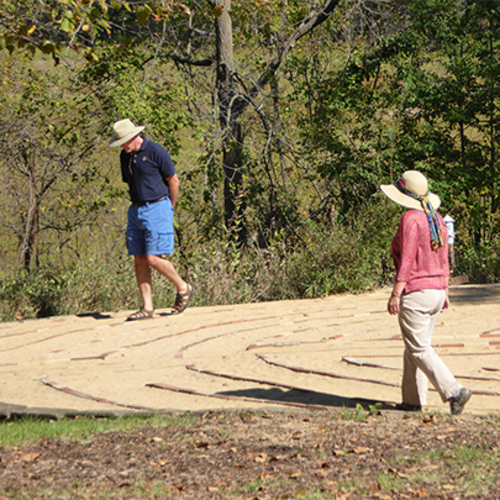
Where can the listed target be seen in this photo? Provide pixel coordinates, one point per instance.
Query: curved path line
(184, 332)
(290, 343)
(356, 362)
(246, 379)
(345, 377)
(299, 369)
(83, 395)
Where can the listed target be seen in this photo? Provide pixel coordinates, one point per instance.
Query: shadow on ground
(308, 398)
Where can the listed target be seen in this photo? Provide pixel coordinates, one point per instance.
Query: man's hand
(173, 188)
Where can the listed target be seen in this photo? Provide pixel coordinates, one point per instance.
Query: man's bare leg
(143, 276)
(167, 269)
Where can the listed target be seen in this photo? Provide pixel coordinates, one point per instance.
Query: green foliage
(50, 190)
(28, 295)
(424, 95)
(480, 262)
(322, 262)
(156, 102)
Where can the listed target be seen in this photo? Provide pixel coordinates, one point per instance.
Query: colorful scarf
(436, 234)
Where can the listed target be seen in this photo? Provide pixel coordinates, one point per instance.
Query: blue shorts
(150, 229)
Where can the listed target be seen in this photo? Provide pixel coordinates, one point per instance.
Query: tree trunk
(232, 143)
(29, 243)
(232, 104)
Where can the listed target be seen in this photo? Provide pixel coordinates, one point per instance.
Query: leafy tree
(425, 96)
(55, 187)
(46, 138)
(192, 36)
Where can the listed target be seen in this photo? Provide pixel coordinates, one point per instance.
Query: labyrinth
(321, 354)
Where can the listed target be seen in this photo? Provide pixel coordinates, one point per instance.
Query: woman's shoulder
(413, 215)
(418, 218)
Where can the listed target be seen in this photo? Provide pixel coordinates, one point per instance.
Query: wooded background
(283, 118)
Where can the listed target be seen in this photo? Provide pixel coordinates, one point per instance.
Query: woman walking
(420, 254)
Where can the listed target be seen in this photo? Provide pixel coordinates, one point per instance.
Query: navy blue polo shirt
(146, 170)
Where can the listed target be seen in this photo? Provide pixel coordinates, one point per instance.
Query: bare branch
(183, 60)
(309, 24)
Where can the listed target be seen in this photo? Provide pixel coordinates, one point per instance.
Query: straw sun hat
(414, 182)
(123, 131)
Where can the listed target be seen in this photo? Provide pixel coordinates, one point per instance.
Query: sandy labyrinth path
(325, 353)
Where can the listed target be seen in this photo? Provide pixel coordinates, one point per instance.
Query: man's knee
(154, 260)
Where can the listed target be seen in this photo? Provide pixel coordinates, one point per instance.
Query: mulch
(264, 455)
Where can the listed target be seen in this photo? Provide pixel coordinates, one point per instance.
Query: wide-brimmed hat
(123, 131)
(416, 184)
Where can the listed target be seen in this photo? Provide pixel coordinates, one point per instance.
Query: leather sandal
(142, 314)
(182, 300)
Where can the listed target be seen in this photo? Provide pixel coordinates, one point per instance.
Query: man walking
(153, 187)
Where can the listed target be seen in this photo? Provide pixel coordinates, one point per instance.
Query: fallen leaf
(266, 475)
(202, 444)
(29, 457)
(329, 485)
(359, 450)
(296, 474)
(320, 473)
(343, 496)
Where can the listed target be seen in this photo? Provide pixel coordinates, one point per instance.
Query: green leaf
(27, 29)
(67, 22)
(217, 11)
(47, 48)
(105, 25)
(143, 14)
(95, 14)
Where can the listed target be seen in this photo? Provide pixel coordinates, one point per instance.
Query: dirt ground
(328, 353)
(267, 455)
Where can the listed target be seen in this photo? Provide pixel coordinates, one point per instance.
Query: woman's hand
(393, 304)
(446, 304)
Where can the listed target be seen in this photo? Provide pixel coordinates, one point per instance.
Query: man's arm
(173, 188)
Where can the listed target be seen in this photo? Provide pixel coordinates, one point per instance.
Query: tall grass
(322, 259)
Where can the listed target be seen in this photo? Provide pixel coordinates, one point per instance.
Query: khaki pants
(417, 317)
